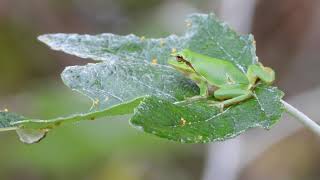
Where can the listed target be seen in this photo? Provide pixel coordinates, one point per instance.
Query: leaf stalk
(304, 119)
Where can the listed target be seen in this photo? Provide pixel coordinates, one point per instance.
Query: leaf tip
(31, 136)
(43, 38)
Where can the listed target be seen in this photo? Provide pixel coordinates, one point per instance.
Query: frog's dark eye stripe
(181, 59)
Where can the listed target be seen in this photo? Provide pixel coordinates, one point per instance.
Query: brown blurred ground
(288, 39)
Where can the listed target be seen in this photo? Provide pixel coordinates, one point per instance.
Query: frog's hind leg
(231, 96)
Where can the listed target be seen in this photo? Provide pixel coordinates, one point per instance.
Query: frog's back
(216, 71)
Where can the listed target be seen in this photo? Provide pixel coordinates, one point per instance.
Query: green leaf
(209, 36)
(122, 54)
(129, 67)
(201, 122)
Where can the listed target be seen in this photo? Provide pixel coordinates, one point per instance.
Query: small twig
(304, 119)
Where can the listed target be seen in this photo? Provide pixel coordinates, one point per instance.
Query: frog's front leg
(204, 90)
(204, 93)
(256, 71)
(231, 96)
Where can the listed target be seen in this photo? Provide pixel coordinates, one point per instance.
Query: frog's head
(179, 61)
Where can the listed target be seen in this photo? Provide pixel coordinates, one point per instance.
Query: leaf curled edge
(33, 130)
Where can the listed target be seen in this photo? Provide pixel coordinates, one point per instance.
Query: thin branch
(304, 119)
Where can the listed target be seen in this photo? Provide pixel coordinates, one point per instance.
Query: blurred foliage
(134, 6)
(22, 57)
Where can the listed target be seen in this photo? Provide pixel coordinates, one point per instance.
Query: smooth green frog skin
(220, 78)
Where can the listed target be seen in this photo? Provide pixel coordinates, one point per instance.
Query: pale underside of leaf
(30, 136)
(205, 34)
(109, 84)
(111, 48)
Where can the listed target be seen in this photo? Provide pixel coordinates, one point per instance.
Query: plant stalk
(304, 119)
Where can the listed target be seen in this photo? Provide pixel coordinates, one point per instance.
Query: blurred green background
(31, 85)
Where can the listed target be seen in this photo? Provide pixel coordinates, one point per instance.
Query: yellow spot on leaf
(182, 122)
(57, 123)
(47, 129)
(173, 50)
(95, 103)
(154, 61)
(142, 38)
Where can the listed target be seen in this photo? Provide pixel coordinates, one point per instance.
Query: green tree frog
(220, 78)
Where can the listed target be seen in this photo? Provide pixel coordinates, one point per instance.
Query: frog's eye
(179, 59)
